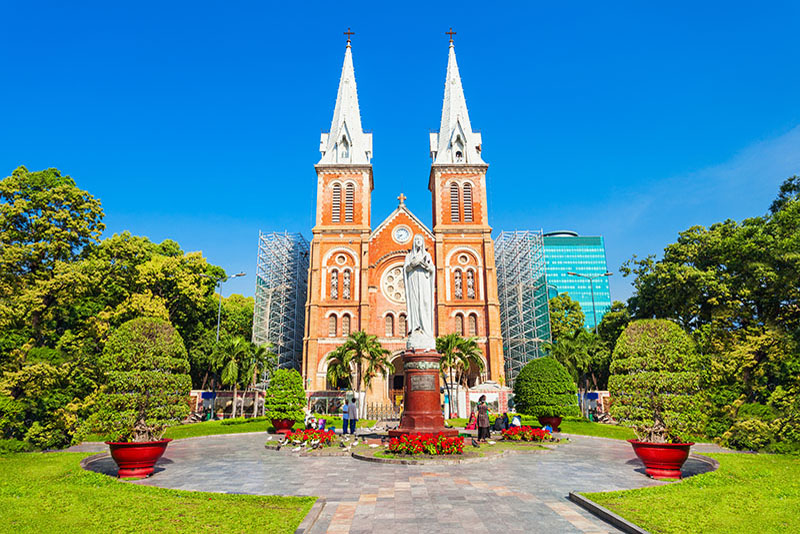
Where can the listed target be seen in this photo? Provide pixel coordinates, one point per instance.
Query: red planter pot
(283, 426)
(554, 422)
(661, 460)
(136, 460)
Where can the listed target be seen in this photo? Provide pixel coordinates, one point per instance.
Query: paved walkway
(518, 493)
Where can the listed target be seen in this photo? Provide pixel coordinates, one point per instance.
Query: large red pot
(554, 422)
(283, 426)
(136, 460)
(661, 460)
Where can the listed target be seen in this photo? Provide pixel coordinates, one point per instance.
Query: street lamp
(591, 286)
(218, 283)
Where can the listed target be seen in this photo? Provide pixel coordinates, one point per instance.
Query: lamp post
(591, 286)
(219, 285)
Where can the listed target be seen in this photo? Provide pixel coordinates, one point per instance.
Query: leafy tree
(585, 357)
(147, 381)
(544, 388)
(285, 397)
(613, 323)
(655, 382)
(566, 317)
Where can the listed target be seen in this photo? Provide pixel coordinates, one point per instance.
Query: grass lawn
(572, 426)
(748, 493)
(51, 493)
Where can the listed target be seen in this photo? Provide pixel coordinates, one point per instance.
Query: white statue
(419, 274)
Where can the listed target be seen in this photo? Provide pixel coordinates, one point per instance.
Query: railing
(382, 412)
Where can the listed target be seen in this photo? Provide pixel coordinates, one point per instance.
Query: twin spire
(346, 142)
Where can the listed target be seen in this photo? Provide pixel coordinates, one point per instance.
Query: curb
(311, 517)
(606, 515)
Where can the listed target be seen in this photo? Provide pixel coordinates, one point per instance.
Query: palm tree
(471, 355)
(339, 369)
(263, 361)
(232, 356)
(448, 347)
(358, 349)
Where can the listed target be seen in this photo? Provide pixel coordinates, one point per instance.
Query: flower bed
(431, 444)
(526, 433)
(325, 437)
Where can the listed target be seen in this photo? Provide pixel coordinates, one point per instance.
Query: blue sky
(200, 121)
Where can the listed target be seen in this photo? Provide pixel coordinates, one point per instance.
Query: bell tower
(466, 300)
(337, 286)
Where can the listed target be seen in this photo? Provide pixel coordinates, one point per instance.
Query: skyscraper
(566, 252)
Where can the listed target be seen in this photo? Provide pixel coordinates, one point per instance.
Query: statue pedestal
(422, 410)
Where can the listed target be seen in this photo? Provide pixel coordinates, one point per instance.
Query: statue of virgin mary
(419, 274)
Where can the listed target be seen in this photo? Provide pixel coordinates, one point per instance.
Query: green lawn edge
(50, 492)
(748, 493)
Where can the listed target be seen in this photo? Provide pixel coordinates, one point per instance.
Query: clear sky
(200, 121)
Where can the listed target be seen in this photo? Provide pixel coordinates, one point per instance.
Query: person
(473, 421)
(483, 419)
(516, 421)
(353, 415)
(505, 421)
(345, 410)
(498, 424)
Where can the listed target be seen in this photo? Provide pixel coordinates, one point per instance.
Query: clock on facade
(402, 234)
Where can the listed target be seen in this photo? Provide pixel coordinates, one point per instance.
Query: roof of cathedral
(455, 143)
(401, 208)
(346, 142)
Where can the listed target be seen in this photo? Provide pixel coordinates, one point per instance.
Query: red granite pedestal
(422, 411)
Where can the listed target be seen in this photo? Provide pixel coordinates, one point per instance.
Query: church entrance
(396, 380)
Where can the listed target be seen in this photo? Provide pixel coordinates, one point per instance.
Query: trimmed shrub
(544, 388)
(655, 382)
(285, 397)
(147, 381)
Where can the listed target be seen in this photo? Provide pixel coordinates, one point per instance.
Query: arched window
(459, 150)
(349, 199)
(345, 325)
(470, 284)
(454, 201)
(344, 149)
(336, 203)
(332, 326)
(401, 324)
(334, 284)
(459, 284)
(459, 324)
(467, 203)
(389, 326)
(473, 325)
(346, 285)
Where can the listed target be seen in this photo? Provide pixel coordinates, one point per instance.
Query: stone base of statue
(422, 409)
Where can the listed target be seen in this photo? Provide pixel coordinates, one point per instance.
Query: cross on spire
(451, 33)
(348, 33)
(402, 198)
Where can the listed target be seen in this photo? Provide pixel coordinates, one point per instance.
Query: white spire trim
(455, 123)
(346, 123)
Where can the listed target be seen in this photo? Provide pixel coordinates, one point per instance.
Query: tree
(566, 317)
(543, 388)
(359, 349)
(285, 397)
(232, 358)
(262, 364)
(613, 323)
(655, 382)
(147, 381)
(459, 354)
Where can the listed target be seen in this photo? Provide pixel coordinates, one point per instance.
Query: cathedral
(355, 279)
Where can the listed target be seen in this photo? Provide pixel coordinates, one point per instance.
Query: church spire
(346, 142)
(455, 142)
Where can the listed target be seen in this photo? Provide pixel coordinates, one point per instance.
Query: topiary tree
(655, 382)
(544, 388)
(147, 381)
(285, 398)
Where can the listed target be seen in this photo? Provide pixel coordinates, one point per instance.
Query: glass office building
(565, 252)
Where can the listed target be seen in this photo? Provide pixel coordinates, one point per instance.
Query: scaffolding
(522, 291)
(281, 287)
